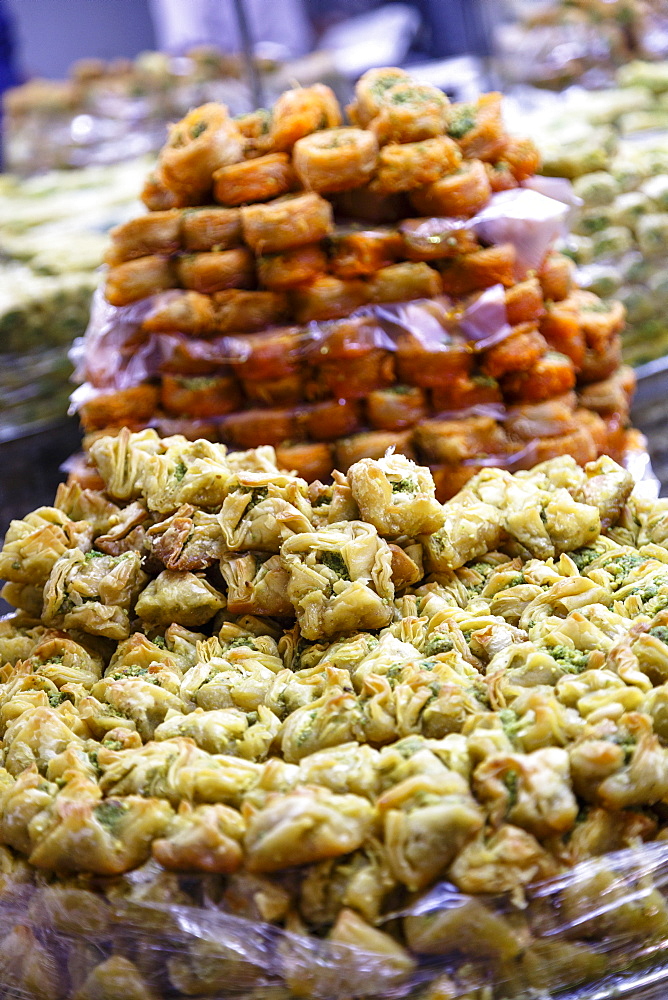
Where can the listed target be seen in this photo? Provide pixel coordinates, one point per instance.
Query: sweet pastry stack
(331, 741)
(333, 289)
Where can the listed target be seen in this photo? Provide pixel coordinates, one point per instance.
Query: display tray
(649, 414)
(175, 932)
(575, 927)
(31, 470)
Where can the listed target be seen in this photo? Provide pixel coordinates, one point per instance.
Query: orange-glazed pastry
(404, 166)
(612, 395)
(465, 391)
(579, 444)
(210, 228)
(83, 472)
(522, 156)
(309, 459)
(156, 196)
(395, 408)
(549, 418)
(431, 365)
(598, 429)
(371, 444)
(451, 441)
(285, 391)
(351, 337)
(600, 321)
(192, 428)
(599, 365)
(461, 193)
(335, 160)
(561, 328)
(217, 271)
(206, 139)
(200, 395)
(190, 356)
(134, 406)
(354, 378)
(480, 269)
(154, 233)
(518, 352)
(478, 128)
(331, 419)
(328, 298)
(361, 204)
(292, 221)
(294, 267)
(500, 176)
(273, 354)
(552, 375)
(338, 289)
(437, 239)
(239, 311)
(556, 276)
(136, 279)
(402, 282)
(356, 252)
(450, 479)
(300, 112)
(254, 180)
(179, 311)
(524, 302)
(254, 127)
(252, 428)
(410, 112)
(618, 435)
(370, 90)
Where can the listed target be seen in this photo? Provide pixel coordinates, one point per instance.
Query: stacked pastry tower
(333, 290)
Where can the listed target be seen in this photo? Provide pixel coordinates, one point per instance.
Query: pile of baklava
(333, 289)
(359, 713)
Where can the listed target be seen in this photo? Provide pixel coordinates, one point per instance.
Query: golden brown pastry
(285, 223)
(336, 159)
(155, 233)
(206, 139)
(253, 180)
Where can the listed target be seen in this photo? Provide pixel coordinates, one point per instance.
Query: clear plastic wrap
(113, 336)
(116, 353)
(531, 221)
(594, 933)
(485, 321)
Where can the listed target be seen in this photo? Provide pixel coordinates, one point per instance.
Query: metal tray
(650, 415)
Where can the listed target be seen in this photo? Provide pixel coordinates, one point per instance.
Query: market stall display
(108, 112)
(333, 290)
(112, 111)
(249, 727)
(613, 146)
(53, 232)
(575, 41)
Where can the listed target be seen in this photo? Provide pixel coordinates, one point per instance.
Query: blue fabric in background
(456, 27)
(450, 27)
(9, 76)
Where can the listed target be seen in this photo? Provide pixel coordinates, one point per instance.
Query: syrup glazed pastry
(336, 159)
(328, 699)
(205, 140)
(337, 280)
(254, 180)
